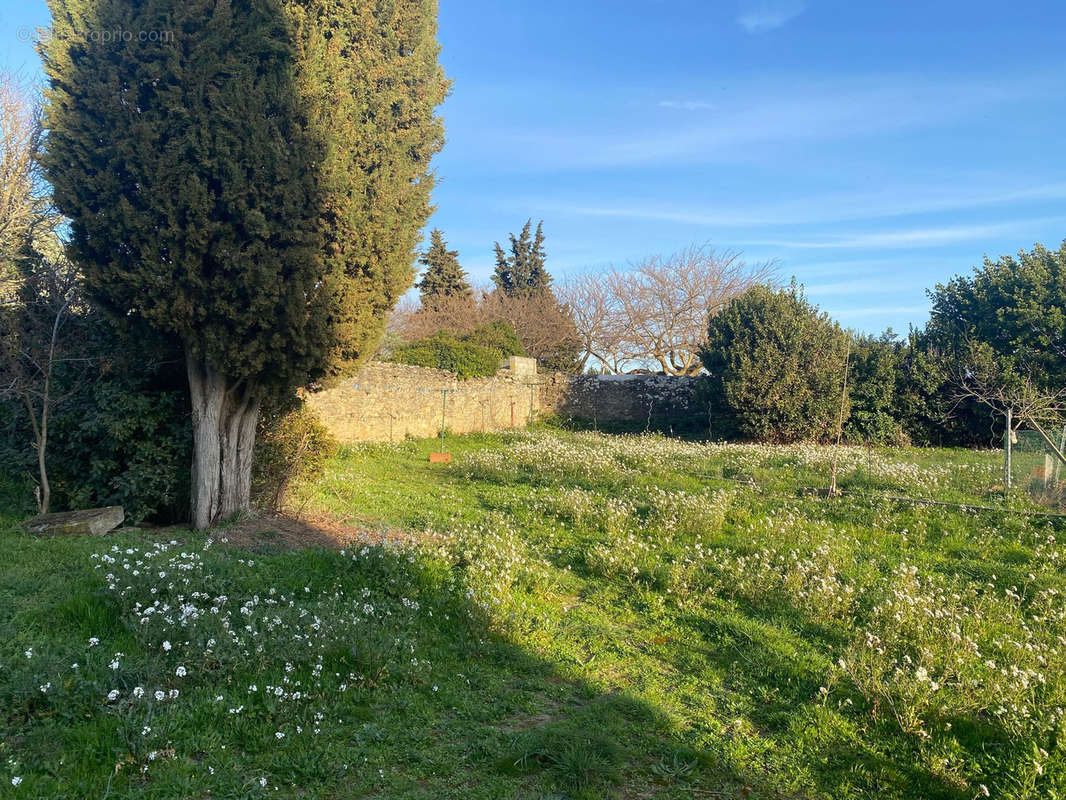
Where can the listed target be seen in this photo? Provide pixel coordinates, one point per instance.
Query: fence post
(1062, 447)
(1007, 453)
(532, 390)
(443, 413)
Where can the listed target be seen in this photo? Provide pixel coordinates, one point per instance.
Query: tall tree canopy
(522, 271)
(250, 181)
(1014, 306)
(443, 277)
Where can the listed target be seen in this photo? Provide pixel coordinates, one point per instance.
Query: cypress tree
(250, 181)
(539, 280)
(443, 277)
(522, 271)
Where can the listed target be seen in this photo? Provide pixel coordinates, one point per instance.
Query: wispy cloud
(686, 105)
(916, 237)
(768, 15)
(817, 209)
(757, 121)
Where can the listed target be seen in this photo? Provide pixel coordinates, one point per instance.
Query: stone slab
(88, 522)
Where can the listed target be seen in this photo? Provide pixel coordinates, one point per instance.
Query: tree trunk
(224, 417)
(45, 503)
(40, 439)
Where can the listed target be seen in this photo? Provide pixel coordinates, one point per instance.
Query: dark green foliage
(499, 335)
(121, 444)
(119, 432)
(1016, 306)
(776, 368)
(442, 350)
(1011, 311)
(475, 354)
(930, 410)
(189, 179)
(522, 271)
(373, 80)
(222, 186)
(252, 185)
(293, 449)
(873, 376)
(443, 277)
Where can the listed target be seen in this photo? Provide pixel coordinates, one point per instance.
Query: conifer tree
(539, 279)
(443, 278)
(522, 271)
(250, 181)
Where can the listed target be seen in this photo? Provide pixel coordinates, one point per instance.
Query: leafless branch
(657, 309)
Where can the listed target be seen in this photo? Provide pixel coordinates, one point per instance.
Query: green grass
(585, 616)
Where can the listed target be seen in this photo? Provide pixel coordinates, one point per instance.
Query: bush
(119, 433)
(776, 366)
(120, 444)
(499, 335)
(475, 354)
(930, 410)
(444, 351)
(292, 448)
(873, 380)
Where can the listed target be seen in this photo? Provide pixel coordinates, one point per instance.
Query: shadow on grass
(467, 712)
(773, 667)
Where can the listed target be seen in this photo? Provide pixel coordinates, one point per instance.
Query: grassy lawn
(575, 616)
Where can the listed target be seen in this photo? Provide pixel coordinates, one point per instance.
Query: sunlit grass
(580, 616)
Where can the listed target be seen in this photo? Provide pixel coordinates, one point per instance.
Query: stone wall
(389, 402)
(657, 402)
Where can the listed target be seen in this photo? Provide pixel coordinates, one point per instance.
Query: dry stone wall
(657, 402)
(389, 402)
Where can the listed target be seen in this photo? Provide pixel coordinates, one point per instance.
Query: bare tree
(654, 311)
(658, 309)
(980, 375)
(458, 315)
(23, 201)
(39, 331)
(544, 325)
(39, 288)
(600, 324)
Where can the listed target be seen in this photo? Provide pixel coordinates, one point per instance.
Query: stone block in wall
(520, 367)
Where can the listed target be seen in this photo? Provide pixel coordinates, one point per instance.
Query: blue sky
(871, 148)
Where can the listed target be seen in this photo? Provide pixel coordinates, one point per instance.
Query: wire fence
(1034, 461)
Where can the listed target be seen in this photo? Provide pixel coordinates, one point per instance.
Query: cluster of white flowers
(549, 458)
(935, 643)
(172, 603)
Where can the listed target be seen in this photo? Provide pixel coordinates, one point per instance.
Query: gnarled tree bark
(224, 417)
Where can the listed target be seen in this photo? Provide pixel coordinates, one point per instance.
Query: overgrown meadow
(557, 615)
